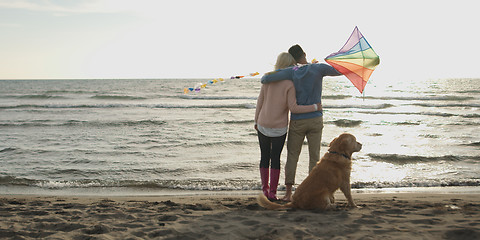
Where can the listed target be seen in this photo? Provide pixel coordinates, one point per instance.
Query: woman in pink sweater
(271, 122)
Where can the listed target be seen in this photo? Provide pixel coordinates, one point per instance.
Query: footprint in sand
(250, 223)
(427, 221)
(168, 218)
(462, 233)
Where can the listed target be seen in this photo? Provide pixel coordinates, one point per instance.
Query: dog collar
(341, 154)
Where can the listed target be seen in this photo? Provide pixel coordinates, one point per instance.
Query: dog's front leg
(329, 204)
(346, 189)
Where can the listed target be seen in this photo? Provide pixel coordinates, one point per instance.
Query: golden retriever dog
(331, 173)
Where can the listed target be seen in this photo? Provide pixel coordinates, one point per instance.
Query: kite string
(199, 86)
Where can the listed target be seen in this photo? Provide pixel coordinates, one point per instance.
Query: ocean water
(147, 136)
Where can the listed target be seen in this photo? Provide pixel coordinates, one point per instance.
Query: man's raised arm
(282, 74)
(329, 70)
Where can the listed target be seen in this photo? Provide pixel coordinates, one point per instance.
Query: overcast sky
(47, 39)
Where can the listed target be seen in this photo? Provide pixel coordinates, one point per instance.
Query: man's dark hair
(296, 51)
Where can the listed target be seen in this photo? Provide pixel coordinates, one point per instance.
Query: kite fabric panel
(356, 60)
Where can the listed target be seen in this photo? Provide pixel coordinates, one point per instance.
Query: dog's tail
(264, 202)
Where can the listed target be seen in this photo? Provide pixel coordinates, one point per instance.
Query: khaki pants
(298, 129)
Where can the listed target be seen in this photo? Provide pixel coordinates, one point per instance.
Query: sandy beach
(379, 216)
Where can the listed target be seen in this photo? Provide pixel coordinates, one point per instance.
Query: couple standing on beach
(295, 85)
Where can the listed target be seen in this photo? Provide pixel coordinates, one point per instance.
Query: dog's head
(345, 143)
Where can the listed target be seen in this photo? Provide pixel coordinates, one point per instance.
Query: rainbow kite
(356, 60)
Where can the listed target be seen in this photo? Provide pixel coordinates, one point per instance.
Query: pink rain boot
(274, 177)
(264, 178)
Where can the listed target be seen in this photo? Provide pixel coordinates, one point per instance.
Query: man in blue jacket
(307, 79)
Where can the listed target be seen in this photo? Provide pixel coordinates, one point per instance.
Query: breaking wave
(118, 97)
(49, 123)
(406, 159)
(206, 184)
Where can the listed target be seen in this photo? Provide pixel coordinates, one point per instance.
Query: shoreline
(416, 215)
(129, 192)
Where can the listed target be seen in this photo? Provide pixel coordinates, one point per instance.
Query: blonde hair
(284, 60)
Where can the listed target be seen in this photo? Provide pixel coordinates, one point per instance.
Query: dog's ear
(341, 142)
(332, 142)
(337, 144)
(352, 144)
(345, 141)
(350, 141)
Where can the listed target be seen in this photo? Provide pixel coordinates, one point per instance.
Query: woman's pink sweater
(273, 103)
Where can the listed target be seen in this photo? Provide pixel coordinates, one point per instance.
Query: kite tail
(264, 202)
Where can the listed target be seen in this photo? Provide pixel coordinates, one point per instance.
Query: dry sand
(380, 216)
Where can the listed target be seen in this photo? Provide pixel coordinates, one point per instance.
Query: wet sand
(379, 216)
